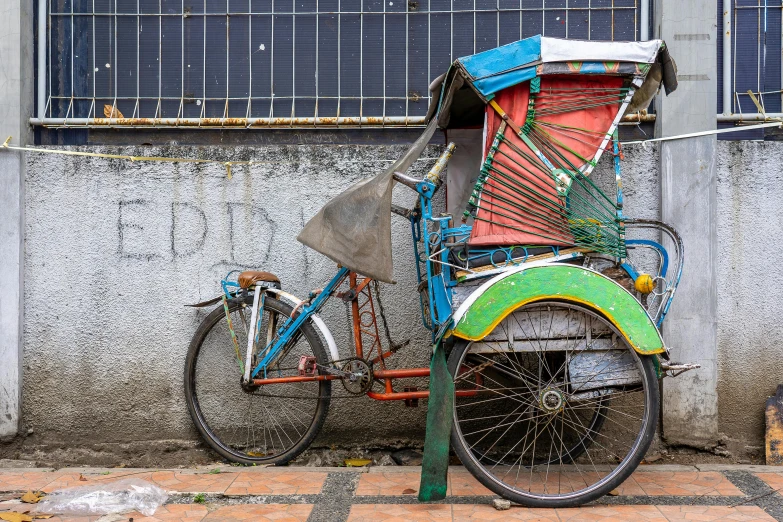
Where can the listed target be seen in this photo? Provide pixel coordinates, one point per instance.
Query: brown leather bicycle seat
(249, 277)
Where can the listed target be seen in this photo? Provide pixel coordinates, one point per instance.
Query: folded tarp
(508, 65)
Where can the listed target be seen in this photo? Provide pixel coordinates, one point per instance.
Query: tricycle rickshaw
(545, 371)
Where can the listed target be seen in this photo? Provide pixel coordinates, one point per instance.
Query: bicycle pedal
(411, 403)
(307, 366)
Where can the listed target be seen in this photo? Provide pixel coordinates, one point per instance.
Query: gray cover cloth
(354, 228)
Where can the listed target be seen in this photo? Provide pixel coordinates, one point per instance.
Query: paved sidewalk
(653, 493)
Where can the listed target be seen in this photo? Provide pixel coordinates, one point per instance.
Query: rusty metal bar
(421, 394)
(398, 396)
(402, 373)
(357, 326)
(360, 12)
(321, 121)
(295, 378)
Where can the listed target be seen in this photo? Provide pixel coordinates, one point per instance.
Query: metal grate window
(282, 62)
(752, 35)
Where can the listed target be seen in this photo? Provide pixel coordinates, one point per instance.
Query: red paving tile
(466, 513)
(172, 513)
(400, 482)
(611, 513)
(652, 483)
(199, 513)
(277, 483)
(386, 483)
(774, 480)
(19, 480)
(708, 483)
(261, 513)
(712, 513)
(462, 483)
(179, 481)
(73, 479)
(260, 482)
(189, 482)
(483, 512)
(400, 513)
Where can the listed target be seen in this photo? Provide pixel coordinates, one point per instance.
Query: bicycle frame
(279, 339)
(356, 288)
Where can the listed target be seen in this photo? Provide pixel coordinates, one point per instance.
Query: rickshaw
(543, 299)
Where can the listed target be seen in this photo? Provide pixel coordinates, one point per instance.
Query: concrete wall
(750, 338)
(114, 249)
(16, 37)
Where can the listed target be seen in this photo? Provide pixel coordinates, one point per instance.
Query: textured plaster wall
(115, 249)
(750, 337)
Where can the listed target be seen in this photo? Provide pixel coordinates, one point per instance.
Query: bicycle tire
(211, 433)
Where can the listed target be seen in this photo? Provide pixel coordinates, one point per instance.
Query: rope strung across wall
(227, 164)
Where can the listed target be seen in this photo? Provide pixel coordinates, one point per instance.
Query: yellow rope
(226, 164)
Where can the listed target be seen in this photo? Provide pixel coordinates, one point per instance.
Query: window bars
(302, 63)
(750, 60)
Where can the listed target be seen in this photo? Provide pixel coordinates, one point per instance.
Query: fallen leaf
(408, 491)
(31, 498)
(41, 515)
(81, 478)
(14, 516)
(614, 493)
(112, 112)
(357, 463)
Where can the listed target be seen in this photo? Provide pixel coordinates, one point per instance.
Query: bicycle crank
(358, 379)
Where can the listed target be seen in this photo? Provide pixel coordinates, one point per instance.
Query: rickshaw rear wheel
(565, 411)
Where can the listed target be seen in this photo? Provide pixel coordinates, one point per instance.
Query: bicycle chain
(393, 347)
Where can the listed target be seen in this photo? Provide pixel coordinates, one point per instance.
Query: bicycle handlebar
(433, 176)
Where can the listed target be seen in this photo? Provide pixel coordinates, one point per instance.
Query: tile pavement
(652, 493)
(462, 483)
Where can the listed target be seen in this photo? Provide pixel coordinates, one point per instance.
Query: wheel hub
(551, 400)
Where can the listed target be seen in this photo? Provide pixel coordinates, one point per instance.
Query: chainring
(360, 380)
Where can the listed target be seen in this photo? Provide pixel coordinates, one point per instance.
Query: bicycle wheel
(563, 410)
(269, 424)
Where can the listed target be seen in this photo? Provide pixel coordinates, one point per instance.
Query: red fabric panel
(542, 220)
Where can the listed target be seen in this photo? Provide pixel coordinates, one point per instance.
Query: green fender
(497, 298)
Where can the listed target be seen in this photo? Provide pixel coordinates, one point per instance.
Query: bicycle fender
(317, 321)
(493, 301)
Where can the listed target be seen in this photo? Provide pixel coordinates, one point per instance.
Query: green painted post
(440, 408)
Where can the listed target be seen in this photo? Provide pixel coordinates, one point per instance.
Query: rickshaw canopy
(354, 228)
(514, 63)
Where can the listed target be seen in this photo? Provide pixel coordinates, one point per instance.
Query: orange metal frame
(365, 325)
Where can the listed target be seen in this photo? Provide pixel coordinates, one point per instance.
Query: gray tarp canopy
(354, 228)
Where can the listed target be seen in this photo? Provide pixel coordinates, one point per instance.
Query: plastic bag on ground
(105, 498)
